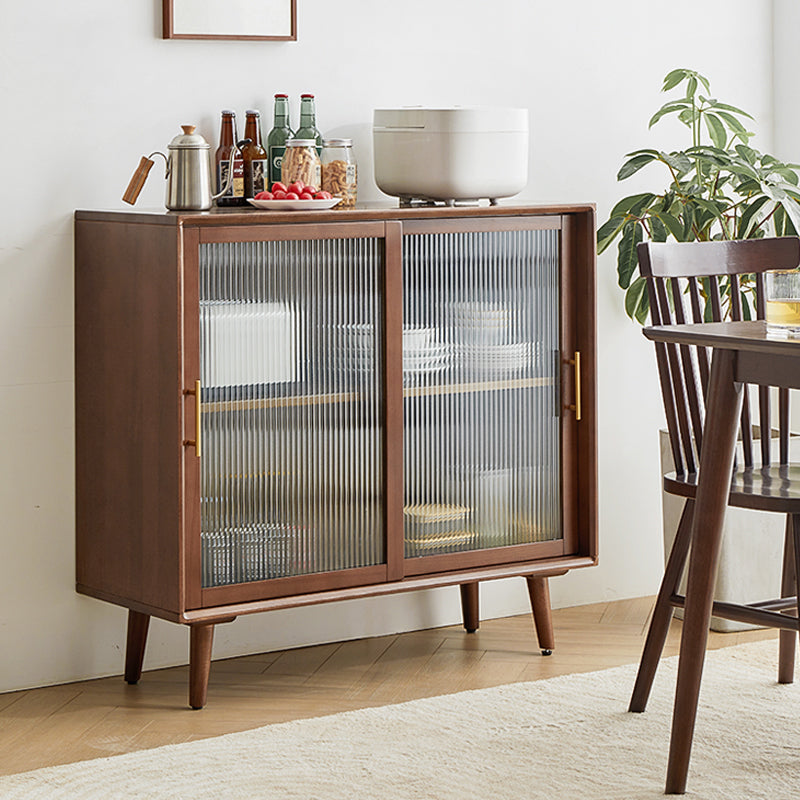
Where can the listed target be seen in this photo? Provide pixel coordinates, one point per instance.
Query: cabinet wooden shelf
(284, 409)
(354, 397)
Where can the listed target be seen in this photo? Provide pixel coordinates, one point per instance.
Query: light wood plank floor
(90, 719)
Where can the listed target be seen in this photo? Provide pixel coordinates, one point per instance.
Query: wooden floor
(73, 722)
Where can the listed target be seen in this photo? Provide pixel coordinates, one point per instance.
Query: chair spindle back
(711, 282)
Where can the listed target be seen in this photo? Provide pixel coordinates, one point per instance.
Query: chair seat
(775, 488)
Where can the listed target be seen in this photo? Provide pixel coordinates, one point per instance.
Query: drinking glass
(782, 288)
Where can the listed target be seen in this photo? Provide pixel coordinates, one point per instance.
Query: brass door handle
(198, 410)
(576, 406)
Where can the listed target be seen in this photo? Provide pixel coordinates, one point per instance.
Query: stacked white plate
(498, 357)
(421, 353)
(480, 323)
(354, 346)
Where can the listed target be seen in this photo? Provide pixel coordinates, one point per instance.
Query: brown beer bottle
(227, 138)
(254, 155)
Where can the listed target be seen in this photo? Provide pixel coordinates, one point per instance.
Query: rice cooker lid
(458, 119)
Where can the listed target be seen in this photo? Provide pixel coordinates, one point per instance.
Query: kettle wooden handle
(138, 179)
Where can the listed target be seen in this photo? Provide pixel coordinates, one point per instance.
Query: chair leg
(662, 613)
(790, 585)
(539, 593)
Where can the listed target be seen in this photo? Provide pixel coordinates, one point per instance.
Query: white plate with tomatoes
(295, 205)
(297, 196)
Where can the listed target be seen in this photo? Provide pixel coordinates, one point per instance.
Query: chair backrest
(711, 282)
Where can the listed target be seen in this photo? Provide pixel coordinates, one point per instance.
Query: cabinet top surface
(253, 216)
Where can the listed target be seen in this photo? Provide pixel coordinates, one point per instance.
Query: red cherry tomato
(306, 196)
(292, 196)
(279, 195)
(264, 196)
(312, 190)
(323, 195)
(278, 187)
(296, 187)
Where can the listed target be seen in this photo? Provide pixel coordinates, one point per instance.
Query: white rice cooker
(450, 154)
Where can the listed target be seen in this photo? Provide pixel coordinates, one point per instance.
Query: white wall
(88, 87)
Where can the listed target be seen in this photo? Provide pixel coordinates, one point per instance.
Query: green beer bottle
(276, 141)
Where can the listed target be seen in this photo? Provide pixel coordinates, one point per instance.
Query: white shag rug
(567, 738)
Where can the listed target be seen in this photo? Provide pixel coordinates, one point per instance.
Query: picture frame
(263, 20)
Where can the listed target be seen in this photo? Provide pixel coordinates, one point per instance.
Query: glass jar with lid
(301, 163)
(339, 171)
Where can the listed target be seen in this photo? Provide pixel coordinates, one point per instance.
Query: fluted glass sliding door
(482, 448)
(292, 399)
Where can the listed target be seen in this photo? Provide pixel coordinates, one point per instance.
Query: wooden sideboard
(277, 409)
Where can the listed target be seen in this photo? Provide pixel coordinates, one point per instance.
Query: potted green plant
(719, 187)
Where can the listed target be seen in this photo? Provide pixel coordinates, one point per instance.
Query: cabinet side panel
(580, 302)
(128, 413)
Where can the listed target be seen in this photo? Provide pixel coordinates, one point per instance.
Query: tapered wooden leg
(201, 640)
(539, 592)
(716, 463)
(470, 606)
(138, 625)
(789, 584)
(662, 613)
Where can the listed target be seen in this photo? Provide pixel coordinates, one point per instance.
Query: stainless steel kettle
(188, 173)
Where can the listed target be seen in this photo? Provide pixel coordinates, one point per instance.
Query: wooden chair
(701, 282)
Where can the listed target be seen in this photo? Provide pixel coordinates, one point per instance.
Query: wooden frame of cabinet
(137, 474)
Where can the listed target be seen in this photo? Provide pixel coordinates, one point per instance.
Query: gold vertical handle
(198, 410)
(576, 406)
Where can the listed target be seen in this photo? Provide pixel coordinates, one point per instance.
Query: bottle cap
(306, 95)
(282, 95)
(252, 111)
(228, 111)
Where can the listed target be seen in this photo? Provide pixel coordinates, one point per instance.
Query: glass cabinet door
(291, 370)
(482, 446)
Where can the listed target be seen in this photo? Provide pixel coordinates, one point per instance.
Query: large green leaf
(727, 107)
(633, 165)
(637, 303)
(734, 124)
(673, 79)
(792, 209)
(627, 260)
(749, 218)
(672, 224)
(672, 107)
(747, 153)
(625, 205)
(658, 233)
(642, 207)
(688, 221)
(608, 232)
(787, 174)
(790, 228)
(679, 161)
(716, 130)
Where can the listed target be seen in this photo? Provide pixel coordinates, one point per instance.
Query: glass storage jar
(301, 163)
(339, 171)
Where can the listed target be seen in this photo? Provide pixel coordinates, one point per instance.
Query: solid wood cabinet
(281, 409)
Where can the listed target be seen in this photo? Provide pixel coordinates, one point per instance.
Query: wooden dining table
(742, 352)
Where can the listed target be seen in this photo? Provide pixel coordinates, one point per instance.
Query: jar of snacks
(339, 171)
(301, 163)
